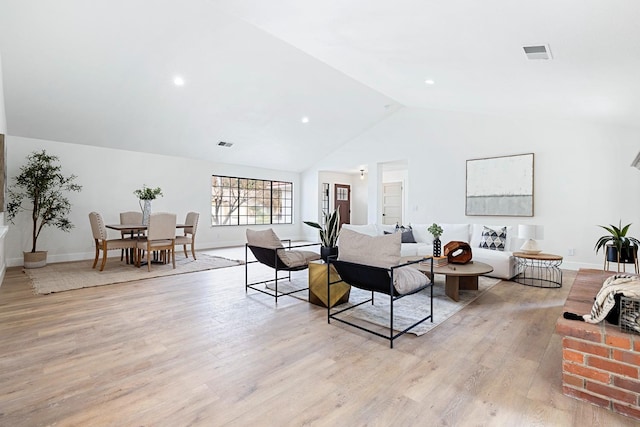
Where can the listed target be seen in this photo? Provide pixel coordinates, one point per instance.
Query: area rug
(66, 276)
(407, 310)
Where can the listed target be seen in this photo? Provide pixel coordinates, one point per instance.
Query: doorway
(343, 202)
(392, 203)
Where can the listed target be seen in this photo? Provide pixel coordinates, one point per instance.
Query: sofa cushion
(368, 229)
(494, 239)
(407, 236)
(454, 232)
(450, 232)
(378, 251)
(389, 228)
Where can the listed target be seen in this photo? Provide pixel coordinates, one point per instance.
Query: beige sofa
(503, 262)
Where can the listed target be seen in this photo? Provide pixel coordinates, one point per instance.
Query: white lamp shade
(530, 233)
(527, 231)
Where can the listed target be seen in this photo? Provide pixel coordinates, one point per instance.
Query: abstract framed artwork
(500, 186)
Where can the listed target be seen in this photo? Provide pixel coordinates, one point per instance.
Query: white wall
(582, 172)
(3, 115)
(109, 178)
(3, 229)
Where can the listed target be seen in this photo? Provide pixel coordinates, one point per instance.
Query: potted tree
(39, 188)
(328, 233)
(617, 245)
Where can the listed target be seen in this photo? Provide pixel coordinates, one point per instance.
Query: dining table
(135, 230)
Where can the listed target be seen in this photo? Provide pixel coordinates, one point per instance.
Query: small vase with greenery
(436, 232)
(145, 196)
(39, 188)
(328, 233)
(618, 247)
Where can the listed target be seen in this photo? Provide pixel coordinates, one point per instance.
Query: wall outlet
(571, 252)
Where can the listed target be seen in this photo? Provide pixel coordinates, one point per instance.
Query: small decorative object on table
(458, 252)
(436, 231)
(147, 194)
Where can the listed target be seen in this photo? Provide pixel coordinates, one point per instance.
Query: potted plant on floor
(39, 188)
(618, 247)
(328, 233)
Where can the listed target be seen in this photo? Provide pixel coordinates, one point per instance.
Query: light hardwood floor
(194, 349)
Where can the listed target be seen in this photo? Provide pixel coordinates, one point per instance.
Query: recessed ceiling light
(305, 119)
(429, 82)
(178, 81)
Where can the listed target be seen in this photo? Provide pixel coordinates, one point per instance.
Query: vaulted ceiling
(102, 72)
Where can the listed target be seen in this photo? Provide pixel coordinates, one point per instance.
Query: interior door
(392, 203)
(343, 202)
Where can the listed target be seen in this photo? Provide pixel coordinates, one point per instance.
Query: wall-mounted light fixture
(361, 173)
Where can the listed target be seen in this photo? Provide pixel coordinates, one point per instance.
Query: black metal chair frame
(375, 279)
(271, 258)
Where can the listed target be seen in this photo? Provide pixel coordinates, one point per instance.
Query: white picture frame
(500, 186)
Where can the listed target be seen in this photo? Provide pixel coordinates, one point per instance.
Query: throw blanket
(623, 284)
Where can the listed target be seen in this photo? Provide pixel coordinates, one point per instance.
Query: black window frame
(250, 201)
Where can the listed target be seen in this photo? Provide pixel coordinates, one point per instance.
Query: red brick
(626, 357)
(583, 371)
(568, 391)
(585, 347)
(615, 367)
(617, 341)
(585, 331)
(636, 344)
(573, 356)
(611, 392)
(629, 411)
(627, 384)
(572, 381)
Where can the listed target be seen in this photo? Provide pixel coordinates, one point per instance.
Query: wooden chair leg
(173, 257)
(104, 256)
(184, 247)
(95, 261)
(193, 249)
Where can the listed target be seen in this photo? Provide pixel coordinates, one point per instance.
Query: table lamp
(530, 233)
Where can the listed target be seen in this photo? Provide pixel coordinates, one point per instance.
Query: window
(244, 201)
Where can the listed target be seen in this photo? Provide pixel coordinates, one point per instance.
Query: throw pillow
(494, 239)
(378, 251)
(407, 236)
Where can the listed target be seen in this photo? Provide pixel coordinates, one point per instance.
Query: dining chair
(161, 236)
(129, 217)
(102, 242)
(189, 237)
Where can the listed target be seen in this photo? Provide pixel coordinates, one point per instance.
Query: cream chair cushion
(269, 239)
(380, 251)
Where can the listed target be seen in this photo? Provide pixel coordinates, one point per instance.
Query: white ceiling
(100, 72)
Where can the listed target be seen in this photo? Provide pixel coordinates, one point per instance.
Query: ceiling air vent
(225, 144)
(537, 52)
